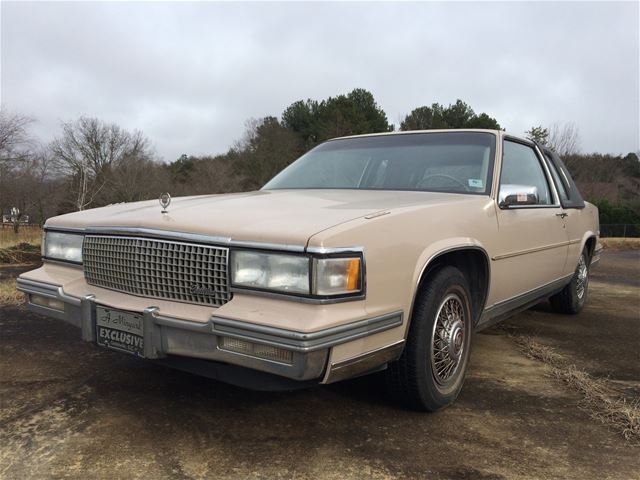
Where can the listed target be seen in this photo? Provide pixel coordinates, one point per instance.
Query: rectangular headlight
(63, 246)
(270, 271)
(338, 276)
(290, 274)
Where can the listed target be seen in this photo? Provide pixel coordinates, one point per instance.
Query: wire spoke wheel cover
(582, 277)
(448, 339)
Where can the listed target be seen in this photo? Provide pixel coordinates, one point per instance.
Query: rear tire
(430, 373)
(572, 298)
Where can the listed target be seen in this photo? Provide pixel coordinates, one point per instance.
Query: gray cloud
(189, 74)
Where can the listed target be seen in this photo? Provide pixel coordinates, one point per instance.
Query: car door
(573, 208)
(532, 245)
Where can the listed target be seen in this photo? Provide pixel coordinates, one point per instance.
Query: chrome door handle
(562, 215)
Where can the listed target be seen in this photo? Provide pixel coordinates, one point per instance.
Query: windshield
(455, 162)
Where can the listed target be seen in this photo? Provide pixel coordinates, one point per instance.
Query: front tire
(572, 298)
(430, 373)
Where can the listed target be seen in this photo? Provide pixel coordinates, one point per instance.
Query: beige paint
(527, 248)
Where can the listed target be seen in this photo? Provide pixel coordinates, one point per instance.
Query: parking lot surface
(73, 410)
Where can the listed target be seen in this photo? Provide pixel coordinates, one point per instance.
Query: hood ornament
(165, 201)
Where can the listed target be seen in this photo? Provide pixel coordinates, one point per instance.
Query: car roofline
(497, 133)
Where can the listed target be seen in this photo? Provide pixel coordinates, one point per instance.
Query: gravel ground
(71, 410)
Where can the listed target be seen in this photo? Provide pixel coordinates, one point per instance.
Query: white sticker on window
(476, 183)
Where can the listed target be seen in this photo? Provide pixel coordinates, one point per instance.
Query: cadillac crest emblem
(165, 201)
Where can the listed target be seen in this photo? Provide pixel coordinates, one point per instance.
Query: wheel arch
(589, 243)
(472, 259)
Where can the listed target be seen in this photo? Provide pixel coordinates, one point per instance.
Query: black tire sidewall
(579, 303)
(446, 281)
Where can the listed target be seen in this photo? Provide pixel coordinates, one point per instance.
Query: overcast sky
(190, 74)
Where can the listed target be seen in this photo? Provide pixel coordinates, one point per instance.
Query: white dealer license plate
(120, 330)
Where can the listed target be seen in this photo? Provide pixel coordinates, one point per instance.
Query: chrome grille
(179, 271)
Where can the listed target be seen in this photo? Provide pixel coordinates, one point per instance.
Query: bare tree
(564, 139)
(138, 178)
(89, 151)
(15, 142)
(15, 149)
(30, 189)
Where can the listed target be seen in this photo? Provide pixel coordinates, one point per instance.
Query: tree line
(92, 163)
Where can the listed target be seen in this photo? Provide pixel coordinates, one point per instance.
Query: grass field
(23, 247)
(8, 293)
(26, 234)
(620, 243)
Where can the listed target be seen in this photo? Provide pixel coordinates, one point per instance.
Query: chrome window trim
(525, 207)
(545, 170)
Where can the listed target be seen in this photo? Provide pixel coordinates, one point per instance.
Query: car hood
(273, 216)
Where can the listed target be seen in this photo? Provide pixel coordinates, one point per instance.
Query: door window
(521, 166)
(562, 191)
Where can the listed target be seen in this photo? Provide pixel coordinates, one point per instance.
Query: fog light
(258, 350)
(48, 302)
(235, 345)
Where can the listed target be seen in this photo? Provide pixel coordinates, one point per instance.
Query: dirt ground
(72, 410)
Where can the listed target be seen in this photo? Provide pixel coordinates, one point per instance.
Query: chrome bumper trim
(365, 363)
(71, 313)
(300, 341)
(46, 290)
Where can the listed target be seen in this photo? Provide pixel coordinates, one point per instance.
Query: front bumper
(167, 338)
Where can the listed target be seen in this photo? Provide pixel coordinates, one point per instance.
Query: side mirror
(517, 195)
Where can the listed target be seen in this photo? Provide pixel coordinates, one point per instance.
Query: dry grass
(599, 399)
(23, 247)
(20, 253)
(26, 234)
(9, 295)
(620, 243)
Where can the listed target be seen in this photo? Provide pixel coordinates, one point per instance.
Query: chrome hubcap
(448, 339)
(582, 277)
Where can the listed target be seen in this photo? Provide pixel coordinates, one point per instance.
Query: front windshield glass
(455, 162)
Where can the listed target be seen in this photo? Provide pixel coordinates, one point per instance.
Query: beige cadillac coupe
(369, 253)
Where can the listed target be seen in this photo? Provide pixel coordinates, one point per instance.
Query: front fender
(436, 250)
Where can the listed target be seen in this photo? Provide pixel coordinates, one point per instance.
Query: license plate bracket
(120, 330)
